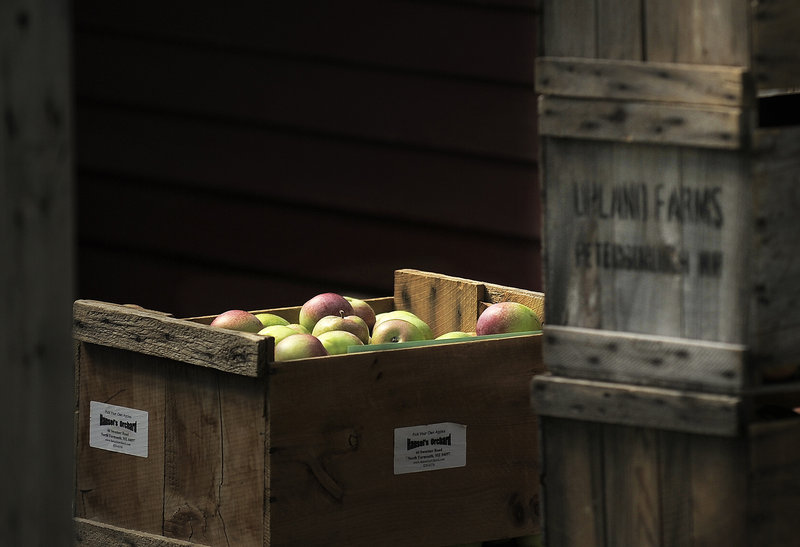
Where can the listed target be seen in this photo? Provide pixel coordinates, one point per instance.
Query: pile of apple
(329, 324)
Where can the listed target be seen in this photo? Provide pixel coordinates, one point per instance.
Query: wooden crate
(645, 466)
(669, 164)
(242, 450)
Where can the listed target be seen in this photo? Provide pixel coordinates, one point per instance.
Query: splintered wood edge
(160, 335)
(625, 404)
(105, 535)
(638, 358)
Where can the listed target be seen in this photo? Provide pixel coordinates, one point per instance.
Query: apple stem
(341, 313)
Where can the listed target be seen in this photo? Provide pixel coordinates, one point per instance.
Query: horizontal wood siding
(303, 146)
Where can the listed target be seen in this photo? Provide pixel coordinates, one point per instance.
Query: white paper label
(118, 429)
(429, 447)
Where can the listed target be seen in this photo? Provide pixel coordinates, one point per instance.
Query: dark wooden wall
(254, 154)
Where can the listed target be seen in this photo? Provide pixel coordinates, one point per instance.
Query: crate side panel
(569, 28)
(572, 482)
(619, 29)
(635, 234)
(332, 427)
(214, 461)
(114, 488)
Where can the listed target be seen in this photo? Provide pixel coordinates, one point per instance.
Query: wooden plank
(619, 29)
(572, 482)
(272, 164)
(88, 532)
(37, 276)
(153, 333)
(654, 360)
(661, 123)
(568, 28)
(332, 463)
(408, 109)
(215, 444)
(640, 81)
(675, 487)
(446, 303)
(624, 404)
(401, 36)
(775, 44)
(111, 487)
(631, 485)
(709, 32)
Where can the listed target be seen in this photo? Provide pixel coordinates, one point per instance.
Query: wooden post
(36, 273)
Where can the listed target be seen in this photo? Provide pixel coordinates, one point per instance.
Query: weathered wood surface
(662, 123)
(776, 44)
(97, 533)
(609, 484)
(154, 333)
(625, 404)
(644, 359)
(37, 271)
(643, 81)
(331, 463)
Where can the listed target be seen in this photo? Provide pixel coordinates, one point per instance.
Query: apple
(507, 317)
(350, 323)
(323, 304)
(396, 330)
(363, 309)
(278, 332)
(297, 327)
(408, 316)
(237, 320)
(268, 319)
(299, 346)
(454, 335)
(337, 341)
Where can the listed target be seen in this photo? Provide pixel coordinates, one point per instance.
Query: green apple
(237, 320)
(350, 323)
(507, 317)
(299, 346)
(337, 341)
(363, 309)
(268, 319)
(396, 330)
(297, 327)
(317, 307)
(454, 335)
(408, 316)
(278, 332)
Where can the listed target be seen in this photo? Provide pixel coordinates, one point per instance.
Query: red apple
(363, 309)
(299, 346)
(237, 320)
(507, 317)
(321, 305)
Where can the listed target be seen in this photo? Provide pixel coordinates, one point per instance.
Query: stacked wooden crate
(670, 171)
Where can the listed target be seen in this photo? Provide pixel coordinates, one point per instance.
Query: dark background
(252, 155)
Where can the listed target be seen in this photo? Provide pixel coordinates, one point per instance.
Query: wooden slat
(273, 164)
(639, 81)
(619, 29)
(568, 28)
(113, 488)
(332, 462)
(401, 35)
(710, 127)
(776, 44)
(98, 534)
(572, 482)
(470, 117)
(625, 404)
(645, 359)
(155, 334)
